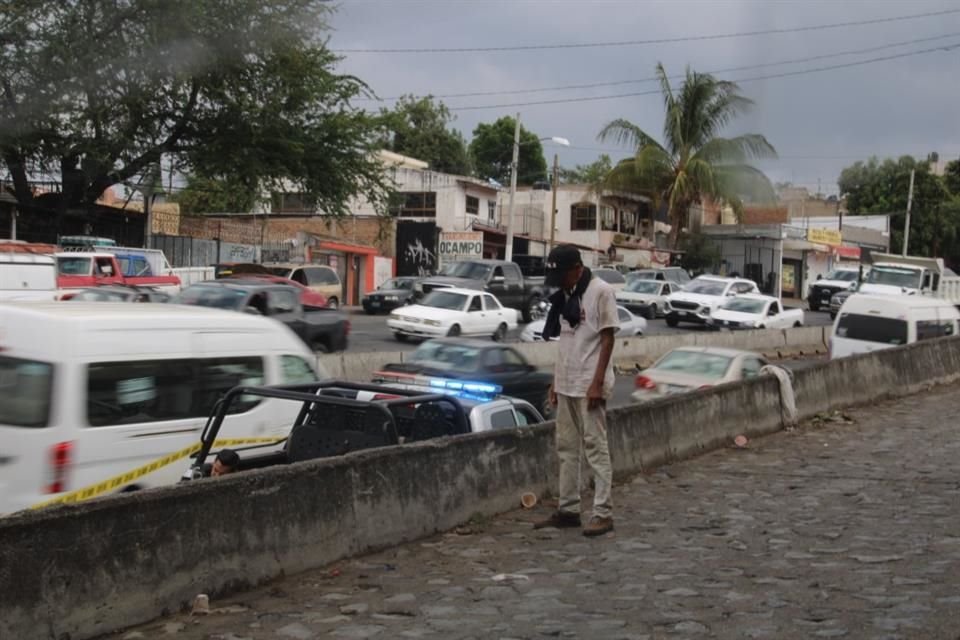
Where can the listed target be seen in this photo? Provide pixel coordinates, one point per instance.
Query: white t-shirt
(578, 349)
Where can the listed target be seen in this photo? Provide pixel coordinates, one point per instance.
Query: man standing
(583, 313)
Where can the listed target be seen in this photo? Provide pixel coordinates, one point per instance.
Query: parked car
(476, 360)
(395, 292)
(112, 387)
(823, 289)
(498, 277)
(26, 275)
(754, 311)
(837, 300)
(646, 297)
(611, 276)
(227, 269)
(308, 297)
(117, 293)
(701, 296)
(453, 312)
(630, 325)
(80, 270)
(319, 277)
(676, 275)
(690, 368)
(869, 323)
(322, 330)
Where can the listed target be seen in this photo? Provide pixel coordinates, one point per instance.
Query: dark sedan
(393, 293)
(482, 361)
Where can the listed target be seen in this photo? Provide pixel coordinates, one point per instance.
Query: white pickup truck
(908, 275)
(755, 312)
(700, 297)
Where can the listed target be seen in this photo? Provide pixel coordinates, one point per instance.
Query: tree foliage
(204, 194)
(492, 153)
(420, 128)
(700, 255)
(99, 90)
(883, 187)
(951, 177)
(692, 162)
(594, 173)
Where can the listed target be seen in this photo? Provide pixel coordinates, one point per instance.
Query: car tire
(833, 315)
(532, 310)
(400, 337)
(333, 303)
(797, 325)
(652, 312)
(672, 322)
(319, 346)
(501, 333)
(547, 410)
(454, 331)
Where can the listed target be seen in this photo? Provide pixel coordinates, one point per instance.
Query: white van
(27, 276)
(871, 322)
(93, 391)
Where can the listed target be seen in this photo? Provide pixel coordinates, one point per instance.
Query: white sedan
(453, 312)
(630, 325)
(690, 368)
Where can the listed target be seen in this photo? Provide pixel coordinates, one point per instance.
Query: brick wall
(764, 215)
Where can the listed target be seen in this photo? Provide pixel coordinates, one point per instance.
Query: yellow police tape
(124, 479)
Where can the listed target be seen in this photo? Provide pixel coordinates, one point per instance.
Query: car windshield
(895, 277)
(96, 295)
(610, 276)
(216, 297)
(843, 276)
(397, 283)
(646, 274)
(643, 286)
(744, 305)
(444, 355)
(706, 287)
(872, 329)
(445, 300)
(25, 387)
(695, 363)
(470, 270)
(73, 266)
(283, 272)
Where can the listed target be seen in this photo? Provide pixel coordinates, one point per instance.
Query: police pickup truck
(337, 417)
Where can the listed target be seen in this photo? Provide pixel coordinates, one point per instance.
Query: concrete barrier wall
(86, 569)
(358, 366)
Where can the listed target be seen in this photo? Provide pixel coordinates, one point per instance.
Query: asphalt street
(370, 333)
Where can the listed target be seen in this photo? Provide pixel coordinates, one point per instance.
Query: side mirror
(497, 279)
(820, 276)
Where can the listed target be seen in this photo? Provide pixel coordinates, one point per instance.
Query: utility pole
(553, 197)
(513, 190)
(906, 226)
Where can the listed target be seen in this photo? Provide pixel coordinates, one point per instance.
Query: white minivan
(91, 394)
(871, 322)
(27, 276)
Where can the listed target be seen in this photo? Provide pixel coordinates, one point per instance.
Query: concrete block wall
(358, 366)
(83, 570)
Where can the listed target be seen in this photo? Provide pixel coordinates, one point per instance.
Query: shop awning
(851, 253)
(793, 244)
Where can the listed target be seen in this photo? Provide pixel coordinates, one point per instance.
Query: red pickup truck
(82, 270)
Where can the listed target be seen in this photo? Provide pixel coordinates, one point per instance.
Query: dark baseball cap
(561, 259)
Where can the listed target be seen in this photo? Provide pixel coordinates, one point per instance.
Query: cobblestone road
(834, 530)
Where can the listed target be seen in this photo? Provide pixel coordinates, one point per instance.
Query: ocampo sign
(460, 245)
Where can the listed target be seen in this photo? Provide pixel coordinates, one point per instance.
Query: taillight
(61, 457)
(643, 382)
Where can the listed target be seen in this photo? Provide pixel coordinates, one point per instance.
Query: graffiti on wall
(416, 248)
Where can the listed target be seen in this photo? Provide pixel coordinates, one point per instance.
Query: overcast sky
(819, 122)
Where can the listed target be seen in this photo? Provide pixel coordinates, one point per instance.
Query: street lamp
(513, 183)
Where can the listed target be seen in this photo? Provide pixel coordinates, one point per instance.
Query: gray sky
(818, 122)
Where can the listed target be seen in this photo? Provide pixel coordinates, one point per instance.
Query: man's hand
(552, 396)
(595, 395)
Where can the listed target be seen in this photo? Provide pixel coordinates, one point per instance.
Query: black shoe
(559, 520)
(598, 526)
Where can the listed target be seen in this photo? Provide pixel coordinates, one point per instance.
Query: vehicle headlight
(432, 323)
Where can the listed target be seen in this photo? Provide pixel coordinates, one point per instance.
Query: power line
(624, 43)
(613, 83)
(950, 154)
(784, 74)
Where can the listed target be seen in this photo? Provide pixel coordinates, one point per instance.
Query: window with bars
(608, 218)
(415, 204)
(628, 222)
(473, 206)
(583, 217)
(491, 210)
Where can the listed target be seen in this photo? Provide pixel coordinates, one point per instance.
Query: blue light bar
(482, 391)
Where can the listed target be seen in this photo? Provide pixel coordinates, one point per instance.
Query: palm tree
(692, 163)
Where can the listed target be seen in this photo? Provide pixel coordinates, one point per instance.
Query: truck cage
(333, 422)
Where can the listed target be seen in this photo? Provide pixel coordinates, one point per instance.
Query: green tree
(882, 187)
(492, 152)
(700, 255)
(594, 173)
(693, 162)
(420, 128)
(951, 177)
(204, 194)
(99, 90)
